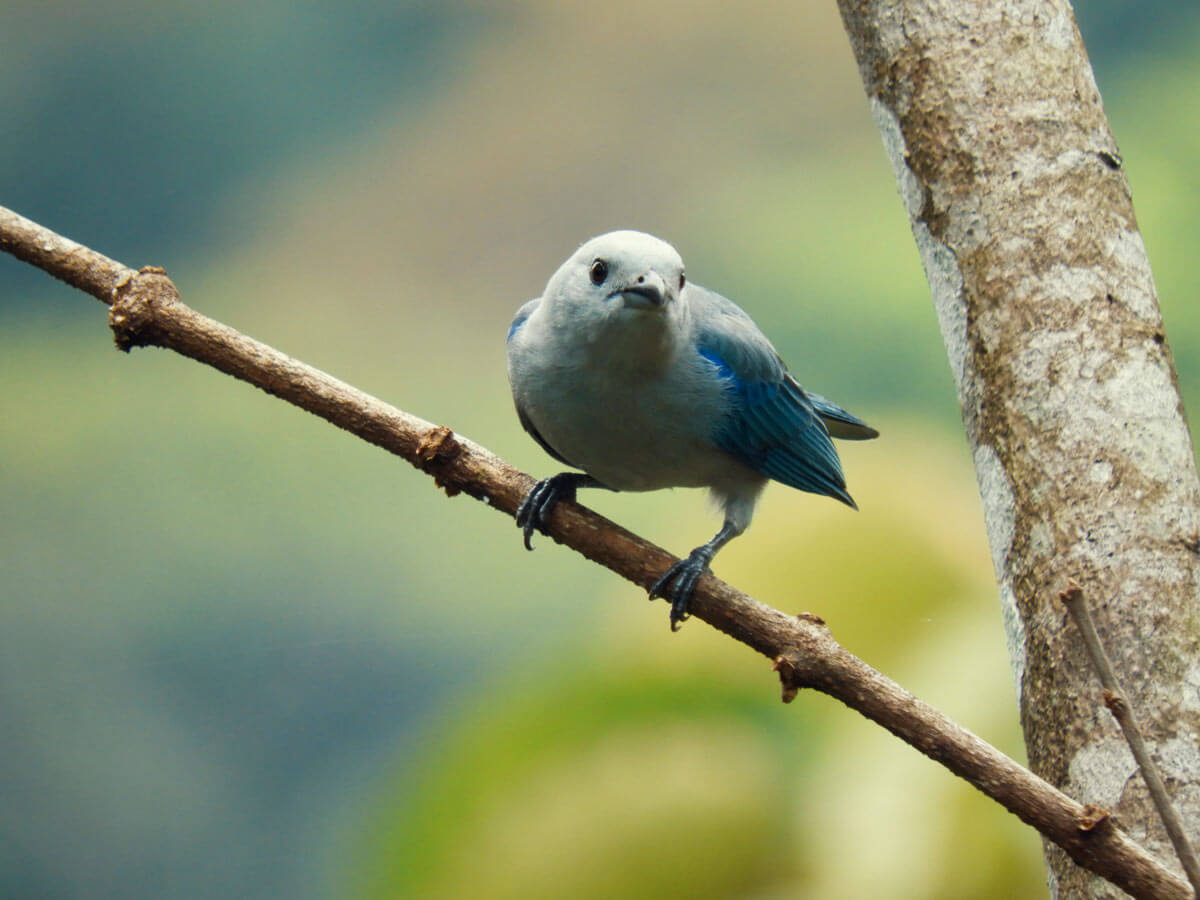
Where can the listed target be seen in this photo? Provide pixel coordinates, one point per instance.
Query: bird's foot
(678, 583)
(534, 512)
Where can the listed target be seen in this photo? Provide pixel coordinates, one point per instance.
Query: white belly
(632, 433)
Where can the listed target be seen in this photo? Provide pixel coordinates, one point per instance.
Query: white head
(619, 275)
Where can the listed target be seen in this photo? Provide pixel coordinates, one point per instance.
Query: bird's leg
(679, 582)
(534, 511)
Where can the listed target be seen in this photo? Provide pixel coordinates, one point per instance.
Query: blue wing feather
(773, 426)
(523, 313)
(840, 423)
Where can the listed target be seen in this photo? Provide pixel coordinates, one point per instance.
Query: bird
(640, 379)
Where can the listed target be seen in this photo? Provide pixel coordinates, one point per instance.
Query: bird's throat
(640, 344)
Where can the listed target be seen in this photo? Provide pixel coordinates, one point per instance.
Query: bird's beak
(649, 292)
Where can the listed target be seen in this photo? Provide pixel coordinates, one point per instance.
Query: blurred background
(244, 654)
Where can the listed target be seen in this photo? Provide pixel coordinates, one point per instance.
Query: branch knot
(436, 449)
(1094, 817)
(794, 674)
(136, 301)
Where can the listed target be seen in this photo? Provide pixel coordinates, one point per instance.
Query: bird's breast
(633, 422)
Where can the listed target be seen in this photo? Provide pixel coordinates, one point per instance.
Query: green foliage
(595, 778)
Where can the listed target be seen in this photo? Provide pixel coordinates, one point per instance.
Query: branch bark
(1025, 224)
(1118, 705)
(145, 309)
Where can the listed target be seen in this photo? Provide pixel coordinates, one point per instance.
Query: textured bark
(1024, 221)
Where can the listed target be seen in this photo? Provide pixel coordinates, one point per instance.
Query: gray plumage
(625, 370)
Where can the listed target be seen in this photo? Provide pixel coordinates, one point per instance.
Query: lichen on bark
(1024, 221)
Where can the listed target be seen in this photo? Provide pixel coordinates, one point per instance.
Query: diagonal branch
(145, 310)
(1023, 216)
(1118, 704)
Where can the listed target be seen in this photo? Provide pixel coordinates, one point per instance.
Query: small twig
(1118, 704)
(145, 310)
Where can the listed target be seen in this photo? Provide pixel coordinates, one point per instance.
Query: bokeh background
(243, 654)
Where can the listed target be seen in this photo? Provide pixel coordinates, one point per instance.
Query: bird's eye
(682, 280)
(598, 272)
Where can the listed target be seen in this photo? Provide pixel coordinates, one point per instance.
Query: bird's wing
(772, 426)
(528, 425)
(841, 424)
(523, 313)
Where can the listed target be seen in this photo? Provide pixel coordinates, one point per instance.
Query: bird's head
(619, 275)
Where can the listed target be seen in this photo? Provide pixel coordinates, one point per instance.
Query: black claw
(678, 583)
(534, 512)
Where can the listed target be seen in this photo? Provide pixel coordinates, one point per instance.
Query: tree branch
(1118, 704)
(1024, 220)
(145, 310)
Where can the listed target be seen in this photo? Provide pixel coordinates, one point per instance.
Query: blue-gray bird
(624, 369)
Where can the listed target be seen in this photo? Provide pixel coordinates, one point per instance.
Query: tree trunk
(1023, 218)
